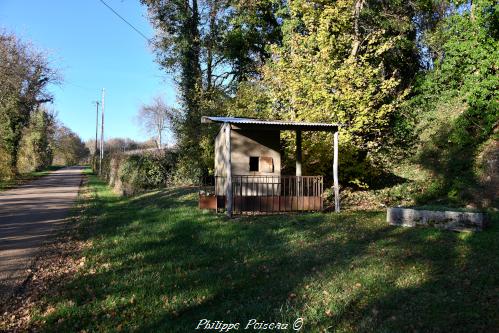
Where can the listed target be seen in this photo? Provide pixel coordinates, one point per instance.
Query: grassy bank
(26, 177)
(159, 264)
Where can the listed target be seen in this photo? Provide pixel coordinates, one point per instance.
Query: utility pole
(96, 132)
(102, 134)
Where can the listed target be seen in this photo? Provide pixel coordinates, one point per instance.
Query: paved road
(29, 215)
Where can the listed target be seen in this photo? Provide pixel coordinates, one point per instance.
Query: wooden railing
(273, 193)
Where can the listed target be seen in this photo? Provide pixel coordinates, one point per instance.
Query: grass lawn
(159, 264)
(26, 177)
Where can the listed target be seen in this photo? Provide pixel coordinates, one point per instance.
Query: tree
(25, 74)
(156, 118)
(456, 101)
(69, 149)
(210, 47)
(346, 61)
(36, 147)
(251, 26)
(178, 47)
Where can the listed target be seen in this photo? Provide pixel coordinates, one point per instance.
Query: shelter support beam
(335, 173)
(298, 153)
(228, 165)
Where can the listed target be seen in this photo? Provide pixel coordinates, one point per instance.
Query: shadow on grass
(451, 155)
(159, 264)
(443, 282)
(386, 179)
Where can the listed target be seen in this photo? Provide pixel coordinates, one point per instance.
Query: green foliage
(251, 100)
(403, 76)
(210, 47)
(134, 173)
(178, 49)
(69, 149)
(5, 165)
(36, 146)
(321, 74)
(24, 88)
(456, 102)
(250, 27)
(187, 173)
(344, 68)
(146, 171)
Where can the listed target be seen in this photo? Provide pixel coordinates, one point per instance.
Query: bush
(187, 172)
(5, 170)
(131, 174)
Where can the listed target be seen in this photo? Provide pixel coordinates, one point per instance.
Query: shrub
(5, 170)
(130, 174)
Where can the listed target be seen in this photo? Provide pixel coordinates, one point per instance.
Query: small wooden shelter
(248, 168)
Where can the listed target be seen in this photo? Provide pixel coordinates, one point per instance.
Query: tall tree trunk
(211, 44)
(191, 86)
(191, 76)
(191, 69)
(359, 4)
(209, 70)
(14, 157)
(196, 42)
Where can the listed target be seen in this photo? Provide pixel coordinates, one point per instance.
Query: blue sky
(93, 49)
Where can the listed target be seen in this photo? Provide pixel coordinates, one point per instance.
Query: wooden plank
(269, 203)
(306, 203)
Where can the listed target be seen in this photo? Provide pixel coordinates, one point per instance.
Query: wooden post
(335, 174)
(102, 134)
(94, 166)
(298, 152)
(298, 168)
(228, 167)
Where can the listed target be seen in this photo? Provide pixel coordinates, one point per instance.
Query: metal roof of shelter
(243, 123)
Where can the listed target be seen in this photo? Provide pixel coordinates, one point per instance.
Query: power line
(124, 20)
